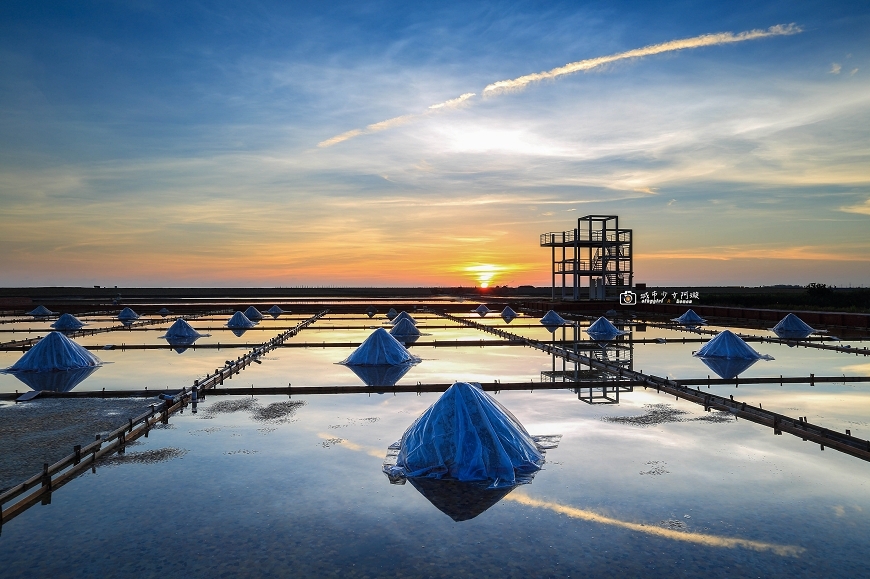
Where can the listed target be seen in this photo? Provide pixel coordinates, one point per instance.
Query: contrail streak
(671, 46)
(570, 68)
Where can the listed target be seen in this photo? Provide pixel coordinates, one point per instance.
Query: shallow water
(271, 486)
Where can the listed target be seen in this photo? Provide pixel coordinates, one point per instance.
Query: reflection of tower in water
(592, 385)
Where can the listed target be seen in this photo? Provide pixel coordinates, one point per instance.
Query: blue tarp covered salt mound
(240, 321)
(690, 318)
(67, 323)
(275, 311)
(405, 331)
(508, 314)
(482, 310)
(392, 313)
(728, 355)
(253, 314)
(729, 345)
(52, 353)
(180, 335)
(792, 327)
(127, 315)
(403, 316)
(40, 311)
(380, 348)
(602, 329)
(381, 360)
(163, 312)
(552, 321)
(371, 311)
(467, 436)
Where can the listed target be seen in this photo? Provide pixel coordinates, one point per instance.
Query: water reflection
(728, 368)
(381, 374)
(461, 501)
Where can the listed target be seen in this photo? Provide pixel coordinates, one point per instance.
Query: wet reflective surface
(273, 486)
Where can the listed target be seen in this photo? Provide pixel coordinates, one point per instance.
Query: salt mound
(553, 319)
(54, 352)
(405, 329)
(728, 345)
(690, 318)
(275, 311)
(482, 310)
(378, 349)
(404, 316)
(603, 329)
(253, 314)
(509, 314)
(466, 435)
(67, 323)
(40, 311)
(127, 315)
(792, 327)
(181, 330)
(240, 322)
(392, 313)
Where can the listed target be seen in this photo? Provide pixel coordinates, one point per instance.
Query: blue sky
(177, 143)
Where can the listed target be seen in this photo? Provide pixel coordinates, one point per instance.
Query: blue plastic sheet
(792, 327)
(728, 345)
(603, 329)
(468, 436)
(67, 323)
(690, 318)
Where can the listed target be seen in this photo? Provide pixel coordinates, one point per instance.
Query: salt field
(268, 485)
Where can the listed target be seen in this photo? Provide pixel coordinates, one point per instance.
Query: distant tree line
(816, 296)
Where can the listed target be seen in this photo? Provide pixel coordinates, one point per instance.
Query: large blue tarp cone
(240, 321)
(403, 316)
(67, 323)
(392, 313)
(380, 348)
(56, 381)
(54, 352)
(253, 314)
(40, 311)
(127, 315)
(482, 310)
(551, 318)
(690, 318)
(404, 329)
(728, 345)
(792, 327)
(728, 368)
(508, 314)
(163, 312)
(467, 436)
(603, 329)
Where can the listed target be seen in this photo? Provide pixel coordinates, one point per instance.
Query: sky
(293, 144)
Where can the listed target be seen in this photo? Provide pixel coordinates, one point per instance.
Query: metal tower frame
(598, 250)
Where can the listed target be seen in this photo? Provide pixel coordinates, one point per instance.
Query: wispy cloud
(689, 537)
(671, 46)
(396, 121)
(863, 208)
(835, 68)
(570, 68)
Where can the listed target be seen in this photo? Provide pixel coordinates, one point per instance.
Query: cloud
(853, 71)
(863, 208)
(396, 121)
(689, 537)
(835, 68)
(582, 65)
(671, 46)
